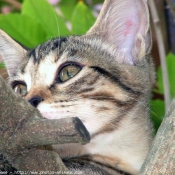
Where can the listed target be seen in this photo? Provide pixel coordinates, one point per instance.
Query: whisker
(54, 12)
(142, 103)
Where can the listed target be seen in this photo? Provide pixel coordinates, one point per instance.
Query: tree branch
(161, 159)
(25, 136)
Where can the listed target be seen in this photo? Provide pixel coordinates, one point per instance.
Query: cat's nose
(34, 101)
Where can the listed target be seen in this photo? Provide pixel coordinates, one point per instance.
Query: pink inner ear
(126, 37)
(129, 25)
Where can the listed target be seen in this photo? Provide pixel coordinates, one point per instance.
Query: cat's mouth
(87, 115)
(52, 115)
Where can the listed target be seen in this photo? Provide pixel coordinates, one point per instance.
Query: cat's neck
(124, 148)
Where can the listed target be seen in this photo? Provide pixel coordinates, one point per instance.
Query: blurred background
(32, 22)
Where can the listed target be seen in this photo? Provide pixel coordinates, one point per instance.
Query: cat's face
(66, 77)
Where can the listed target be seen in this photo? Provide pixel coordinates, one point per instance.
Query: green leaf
(82, 19)
(170, 60)
(2, 65)
(44, 13)
(24, 29)
(2, 3)
(97, 1)
(157, 112)
(67, 8)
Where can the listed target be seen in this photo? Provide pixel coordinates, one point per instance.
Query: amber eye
(21, 89)
(68, 72)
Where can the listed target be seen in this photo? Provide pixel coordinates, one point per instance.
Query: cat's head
(104, 77)
(97, 77)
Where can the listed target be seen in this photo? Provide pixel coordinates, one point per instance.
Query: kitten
(104, 77)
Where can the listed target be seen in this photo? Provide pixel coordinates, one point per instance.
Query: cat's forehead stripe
(43, 50)
(32, 53)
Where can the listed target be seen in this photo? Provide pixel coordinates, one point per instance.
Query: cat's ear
(11, 52)
(125, 25)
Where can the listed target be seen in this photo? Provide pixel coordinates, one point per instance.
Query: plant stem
(162, 54)
(14, 3)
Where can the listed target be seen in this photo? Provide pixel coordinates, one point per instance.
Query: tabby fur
(110, 94)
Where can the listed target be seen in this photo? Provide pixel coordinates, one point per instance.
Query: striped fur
(110, 93)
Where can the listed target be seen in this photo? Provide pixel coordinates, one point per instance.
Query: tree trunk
(161, 158)
(26, 137)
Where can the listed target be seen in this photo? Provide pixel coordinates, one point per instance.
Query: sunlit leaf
(82, 19)
(44, 13)
(67, 8)
(24, 29)
(170, 60)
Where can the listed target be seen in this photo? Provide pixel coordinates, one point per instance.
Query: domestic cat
(104, 77)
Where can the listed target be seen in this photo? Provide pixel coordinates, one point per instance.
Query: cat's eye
(21, 89)
(68, 72)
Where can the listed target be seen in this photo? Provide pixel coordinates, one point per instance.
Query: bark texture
(161, 158)
(26, 137)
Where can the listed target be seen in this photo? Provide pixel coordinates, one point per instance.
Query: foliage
(1, 65)
(171, 74)
(16, 25)
(39, 21)
(157, 106)
(157, 112)
(82, 19)
(32, 25)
